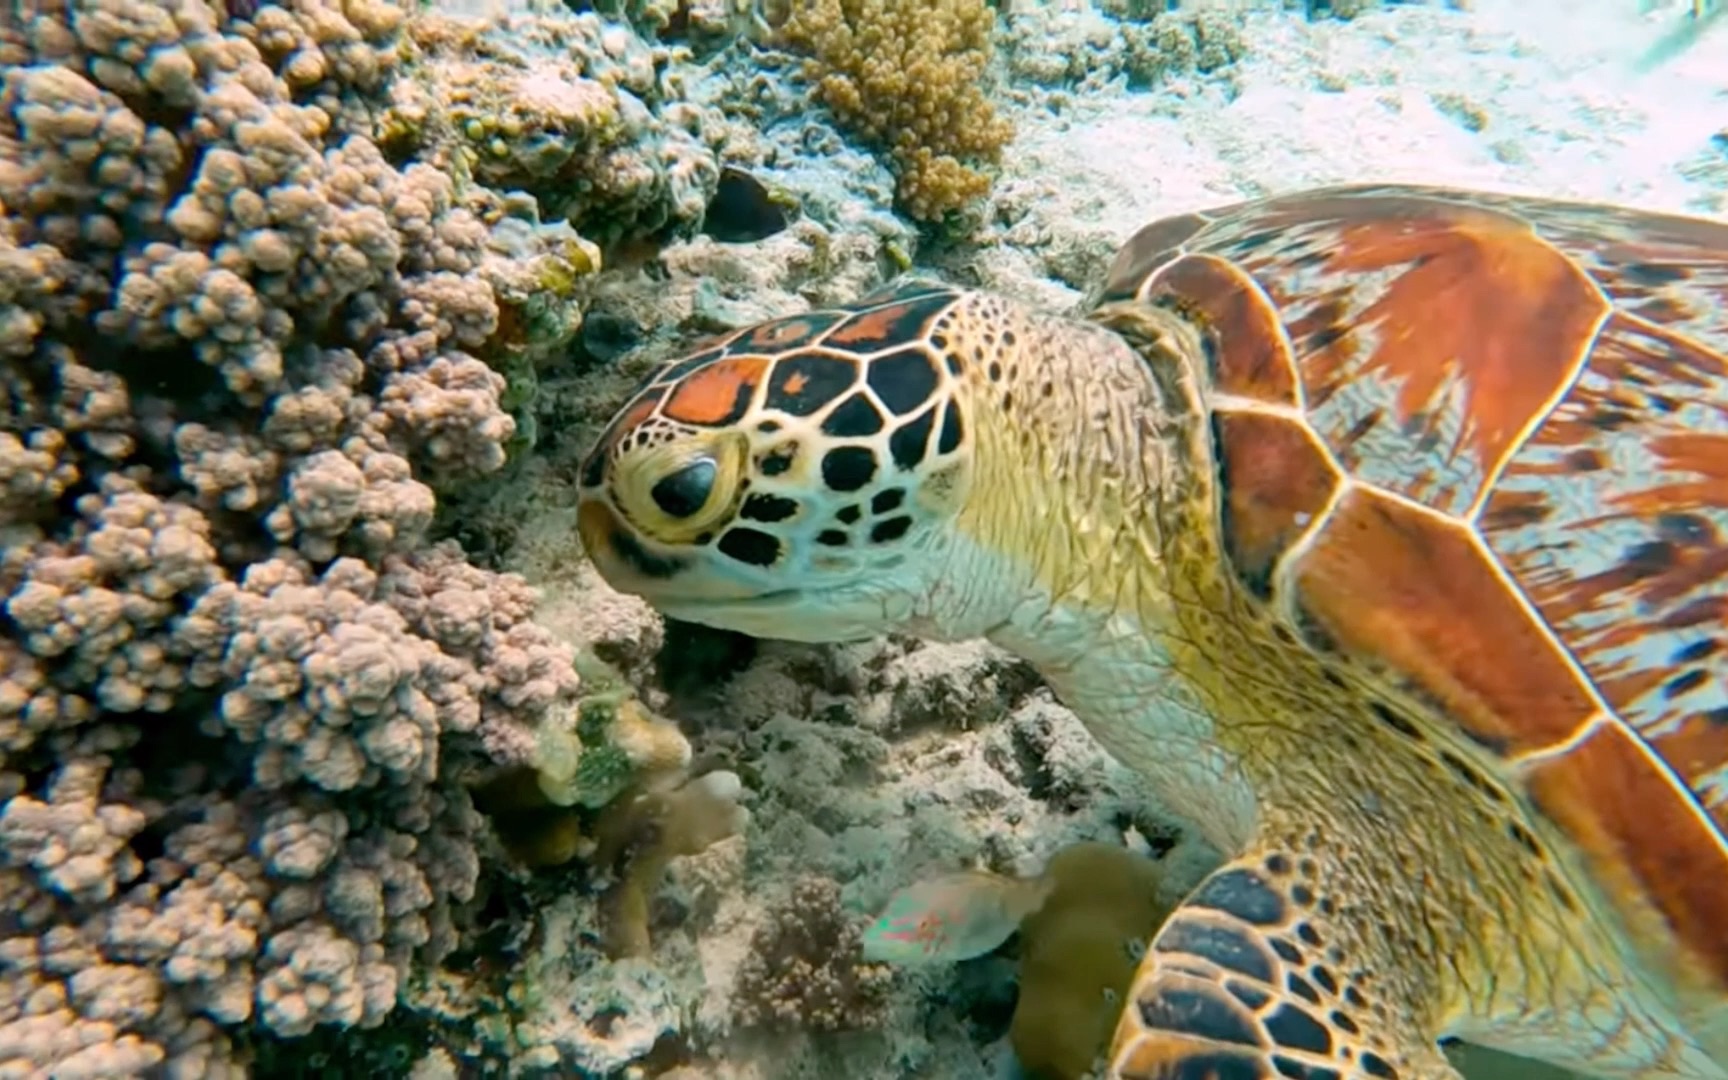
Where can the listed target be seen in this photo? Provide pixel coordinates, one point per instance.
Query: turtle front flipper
(1255, 978)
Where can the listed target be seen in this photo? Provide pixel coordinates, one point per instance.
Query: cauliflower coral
(242, 348)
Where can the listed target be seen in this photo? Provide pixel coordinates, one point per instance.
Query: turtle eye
(682, 493)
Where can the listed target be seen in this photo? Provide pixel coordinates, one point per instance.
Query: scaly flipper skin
(1250, 979)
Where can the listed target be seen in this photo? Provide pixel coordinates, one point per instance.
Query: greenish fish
(952, 917)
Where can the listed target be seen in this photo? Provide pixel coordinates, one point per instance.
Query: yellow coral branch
(906, 75)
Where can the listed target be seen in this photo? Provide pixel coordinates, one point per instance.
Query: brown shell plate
(1483, 441)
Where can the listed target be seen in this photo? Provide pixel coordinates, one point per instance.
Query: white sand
(1555, 86)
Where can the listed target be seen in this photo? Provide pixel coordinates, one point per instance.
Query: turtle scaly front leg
(1252, 979)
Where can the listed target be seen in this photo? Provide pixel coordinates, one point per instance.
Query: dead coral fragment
(906, 75)
(805, 968)
(639, 835)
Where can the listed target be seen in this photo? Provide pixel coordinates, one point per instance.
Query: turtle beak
(622, 560)
(665, 579)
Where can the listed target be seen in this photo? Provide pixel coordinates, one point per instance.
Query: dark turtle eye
(686, 491)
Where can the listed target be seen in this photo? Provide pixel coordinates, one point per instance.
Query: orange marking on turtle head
(718, 394)
(871, 328)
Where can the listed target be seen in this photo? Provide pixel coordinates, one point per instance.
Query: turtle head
(799, 479)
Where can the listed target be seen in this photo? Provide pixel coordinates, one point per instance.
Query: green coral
(603, 770)
(613, 742)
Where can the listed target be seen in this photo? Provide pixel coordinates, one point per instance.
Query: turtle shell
(1481, 442)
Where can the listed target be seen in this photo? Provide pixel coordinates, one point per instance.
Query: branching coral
(907, 75)
(641, 833)
(805, 968)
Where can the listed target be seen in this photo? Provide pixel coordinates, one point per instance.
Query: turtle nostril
(686, 491)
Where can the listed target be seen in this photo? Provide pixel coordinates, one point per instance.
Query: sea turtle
(1382, 529)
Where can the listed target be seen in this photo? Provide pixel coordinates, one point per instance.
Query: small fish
(952, 917)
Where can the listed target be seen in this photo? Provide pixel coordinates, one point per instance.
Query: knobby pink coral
(239, 351)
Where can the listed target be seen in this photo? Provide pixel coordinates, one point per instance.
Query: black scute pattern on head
(848, 468)
(891, 529)
(953, 431)
(904, 380)
(767, 508)
(873, 329)
(803, 384)
(854, 418)
(907, 445)
(887, 501)
(751, 546)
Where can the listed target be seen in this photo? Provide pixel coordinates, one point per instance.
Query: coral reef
(243, 347)
(805, 969)
(906, 76)
(573, 110)
(1086, 51)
